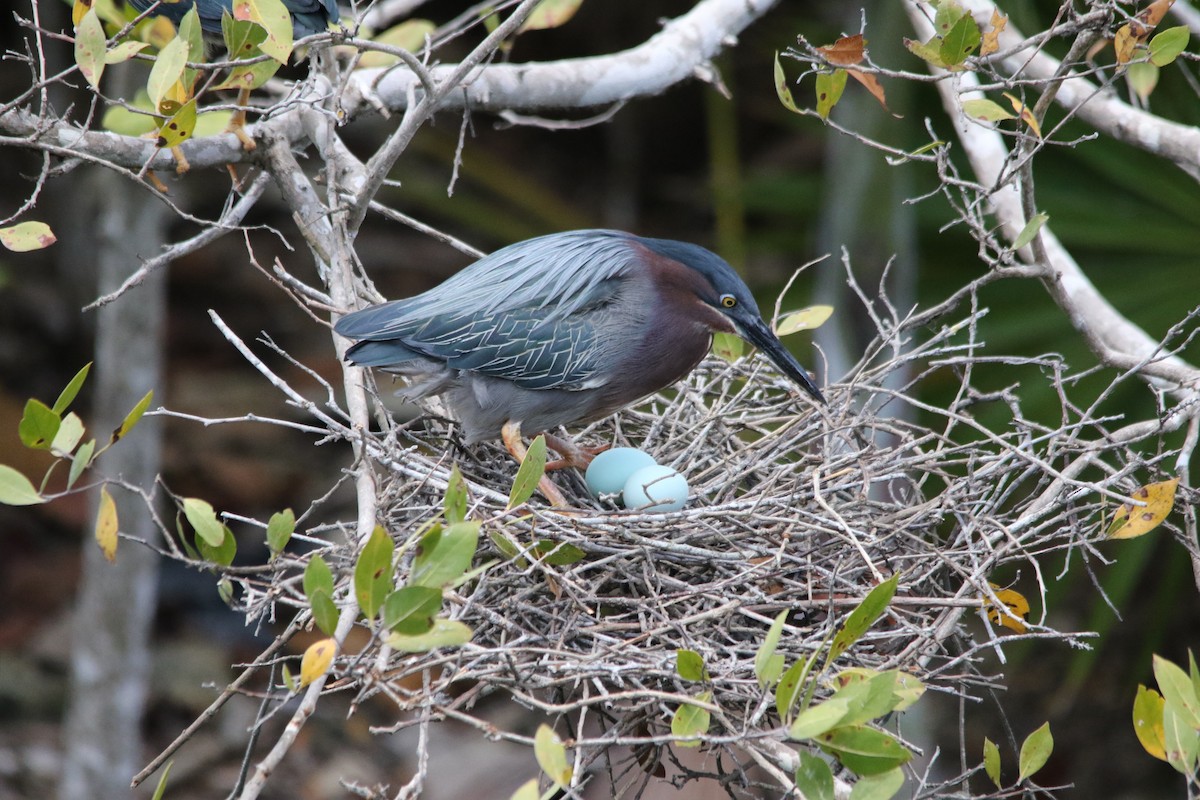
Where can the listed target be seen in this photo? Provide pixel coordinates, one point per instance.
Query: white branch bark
(1116, 340)
(1099, 107)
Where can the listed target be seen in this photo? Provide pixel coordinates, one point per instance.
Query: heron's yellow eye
(728, 300)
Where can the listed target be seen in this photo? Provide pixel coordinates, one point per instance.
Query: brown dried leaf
(872, 85)
(991, 38)
(846, 51)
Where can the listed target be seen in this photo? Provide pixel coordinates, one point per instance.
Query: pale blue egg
(656, 488)
(609, 470)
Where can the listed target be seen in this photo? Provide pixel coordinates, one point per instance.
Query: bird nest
(794, 508)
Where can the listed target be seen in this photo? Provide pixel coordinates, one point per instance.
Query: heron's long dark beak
(756, 332)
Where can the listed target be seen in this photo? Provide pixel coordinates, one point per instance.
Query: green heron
(562, 329)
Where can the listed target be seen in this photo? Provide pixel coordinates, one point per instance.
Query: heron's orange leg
(572, 454)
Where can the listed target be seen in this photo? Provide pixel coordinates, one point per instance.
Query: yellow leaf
(316, 660)
(1124, 43)
(1148, 722)
(1016, 604)
(1025, 114)
(79, 10)
(1132, 521)
(806, 319)
(991, 39)
(106, 525)
(550, 14)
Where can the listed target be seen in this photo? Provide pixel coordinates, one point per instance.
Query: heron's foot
(573, 455)
(511, 435)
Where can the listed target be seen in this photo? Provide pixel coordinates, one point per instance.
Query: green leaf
(1180, 740)
(927, 51)
(883, 786)
(806, 319)
(273, 16)
(80, 461)
(443, 633)
(991, 760)
(507, 547)
(986, 110)
(530, 472)
(318, 588)
(444, 555)
(818, 719)
(190, 32)
(526, 791)
(454, 505)
(1030, 230)
(1178, 691)
(948, 14)
(908, 689)
(167, 70)
(71, 390)
(225, 591)
(161, 789)
(373, 572)
(179, 127)
(69, 434)
(26, 236)
(1194, 671)
(864, 616)
(223, 552)
(123, 52)
(89, 48)
(551, 755)
(690, 665)
(690, 721)
(1143, 78)
(204, 521)
(550, 14)
(280, 528)
(1148, 722)
(132, 417)
(1166, 45)
(38, 426)
(727, 347)
(870, 699)
(1035, 751)
(557, 554)
(788, 690)
(865, 750)
(242, 37)
(249, 77)
(767, 665)
(410, 610)
(813, 777)
(830, 86)
(781, 88)
(16, 490)
(960, 41)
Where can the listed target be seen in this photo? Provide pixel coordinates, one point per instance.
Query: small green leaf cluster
(60, 432)
(841, 724)
(1035, 752)
(259, 42)
(1168, 724)
(409, 615)
(956, 38)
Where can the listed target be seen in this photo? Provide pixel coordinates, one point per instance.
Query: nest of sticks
(793, 507)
